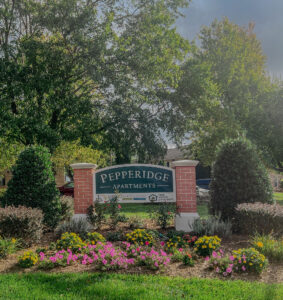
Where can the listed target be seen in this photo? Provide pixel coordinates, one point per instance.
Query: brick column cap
(184, 163)
(83, 166)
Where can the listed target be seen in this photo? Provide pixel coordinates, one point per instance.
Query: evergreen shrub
(33, 184)
(238, 176)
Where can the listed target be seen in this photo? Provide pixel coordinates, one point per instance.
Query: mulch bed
(272, 274)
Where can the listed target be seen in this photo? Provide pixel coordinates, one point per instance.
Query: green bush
(259, 218)
(238, 176)
(96, 214)
(33, 184)
(269, 246)
(164, 214)
(2, 193)
(8, 246)
(21, 222)
(79, 226)
(213, 225)
(28, 259)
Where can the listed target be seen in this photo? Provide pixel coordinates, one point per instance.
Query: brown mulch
(272, 274)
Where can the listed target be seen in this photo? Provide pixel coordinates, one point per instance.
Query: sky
(266, 14)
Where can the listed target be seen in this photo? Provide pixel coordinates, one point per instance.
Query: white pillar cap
(83, 166)
(184, 163)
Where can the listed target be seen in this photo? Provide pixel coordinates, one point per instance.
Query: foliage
(96, 214)
(2, 193)
(221, 263)
(212, 225)
(94, 237)
(177, 255)
(153, 259)
(70, 241)
(78, 83)
(259, 217)
(115, 236)
(224, 93)
(59, 259)
(135, 223)
(188, 260)
(67, 207)
(164, 213)
(21, 223)
(190, 240)
(28, 259)
(175, 242)
(8, 246)
(79, 226)
(249, 260)
(238, 176)
(269, 246)
(113, 209)
(140, 237)
(205, 245)
(33, 184)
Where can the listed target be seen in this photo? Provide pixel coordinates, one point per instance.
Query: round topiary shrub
(33, 184)
(238, 176)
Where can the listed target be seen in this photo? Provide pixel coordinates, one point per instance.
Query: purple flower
(231, 257)
(244, 268)
(229, 270)
(214, 254)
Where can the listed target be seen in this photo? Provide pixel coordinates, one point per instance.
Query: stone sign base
(184, 221)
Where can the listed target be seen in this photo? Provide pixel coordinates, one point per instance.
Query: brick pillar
(186, 197)
(83, 188)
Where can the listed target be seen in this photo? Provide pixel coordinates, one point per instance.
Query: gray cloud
(266, 14)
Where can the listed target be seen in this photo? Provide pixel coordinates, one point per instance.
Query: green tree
(238, 176)
(66, 64)
(33, 184)
(222, 87)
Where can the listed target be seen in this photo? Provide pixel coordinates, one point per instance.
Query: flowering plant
(59, 259)
(8, 246)
(94, 237)
(70, 241)
(175, 242)
(28, 259)
(190, 240)
(205, 245)
(140, 237)
(249, 259)
(221, 263)
(188, 260)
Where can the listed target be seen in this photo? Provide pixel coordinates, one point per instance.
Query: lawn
(143, 210)
(121, 286)
(278, 197)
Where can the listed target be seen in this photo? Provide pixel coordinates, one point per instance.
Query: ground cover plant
(129, 287)
(270, 246)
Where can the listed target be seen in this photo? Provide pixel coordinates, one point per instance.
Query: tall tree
(82, 68)
(223, 85)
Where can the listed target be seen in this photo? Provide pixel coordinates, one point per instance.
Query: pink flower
(217, 270)
(119, 206)
(225, 274)
(156, 264)
(143, 257)
(207, 258)
(42, 256)
(146, 243)
(53, 259)
(138, 249)
(162, 244)
(104, 261)
(214, 254)
(229, 270)
(180, 249)
(244, 268)
(231, 257)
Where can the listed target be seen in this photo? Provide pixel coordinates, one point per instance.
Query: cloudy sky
(266, 14)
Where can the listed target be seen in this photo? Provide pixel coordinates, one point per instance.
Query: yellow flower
(260, 244)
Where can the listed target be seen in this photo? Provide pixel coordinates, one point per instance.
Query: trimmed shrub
(260, 218)
(33, 184)
(238, 176)
(21, 222)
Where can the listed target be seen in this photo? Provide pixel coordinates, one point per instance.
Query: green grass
(278, 197)
(120, 286)
(143, 210)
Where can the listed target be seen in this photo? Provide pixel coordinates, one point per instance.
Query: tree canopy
(82, 69)
(225, 93)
